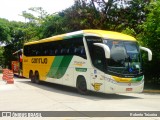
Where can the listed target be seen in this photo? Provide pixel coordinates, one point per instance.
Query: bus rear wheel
(37, 78)
(31, 76)
(81, 85)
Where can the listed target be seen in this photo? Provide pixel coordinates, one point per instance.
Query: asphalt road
(26, 96)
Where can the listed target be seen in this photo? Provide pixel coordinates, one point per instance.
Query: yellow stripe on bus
(110, 35)
(119, 79)
(101, 33)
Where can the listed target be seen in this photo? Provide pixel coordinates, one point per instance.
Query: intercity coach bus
(90, 60)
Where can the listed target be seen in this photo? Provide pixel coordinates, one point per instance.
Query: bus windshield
(125, 58)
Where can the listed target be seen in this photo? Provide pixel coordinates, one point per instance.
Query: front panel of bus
(122, 72)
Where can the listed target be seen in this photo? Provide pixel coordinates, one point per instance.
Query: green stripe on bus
(73, 36)
(63, 66)
(59, 66)
(137, 79)
(55, 65)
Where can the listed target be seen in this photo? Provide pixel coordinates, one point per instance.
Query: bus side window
(79, 51)
(56, 52)
(79, 47)
(46, 52)
(76, 50)
(44, 49)
(83, 52)
(70, 50)
(36, 53)
(63, 51)
(38, 49)
(51, 52)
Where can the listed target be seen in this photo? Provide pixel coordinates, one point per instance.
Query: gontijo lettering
(39, 60)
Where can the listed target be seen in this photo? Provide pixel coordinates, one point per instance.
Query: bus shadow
(52, 87)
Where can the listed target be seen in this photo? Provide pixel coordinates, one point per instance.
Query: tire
(31, 76)
(82, 85)
(37, 81)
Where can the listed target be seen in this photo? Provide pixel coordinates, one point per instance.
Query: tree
(150, 37)
(4, 31)
(28, 16)
(15, 34)
(82, 15)
(53, 24)
(133, 14)
(121, 14)
(42, 14)
(37, 18)
(116, 15)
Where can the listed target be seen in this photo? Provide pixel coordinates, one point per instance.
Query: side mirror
(149, 52)
(106, 49)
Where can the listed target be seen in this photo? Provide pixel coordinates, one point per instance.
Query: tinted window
(73, 46)
(96, 53)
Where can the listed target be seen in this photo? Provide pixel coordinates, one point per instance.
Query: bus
(89, 60)
(16, 65)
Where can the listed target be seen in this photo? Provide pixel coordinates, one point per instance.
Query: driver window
(98, 58)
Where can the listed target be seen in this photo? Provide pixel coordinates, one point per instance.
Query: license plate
(128, 89)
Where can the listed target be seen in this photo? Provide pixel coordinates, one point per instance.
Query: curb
(151, 91)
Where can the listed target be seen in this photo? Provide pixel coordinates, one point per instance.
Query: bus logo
(97, 86)
(39, 60)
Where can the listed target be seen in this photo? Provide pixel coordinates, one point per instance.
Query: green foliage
(53, 25)
(150, 37)
(1, 51)
(1, 56)
(8, 55)
(36, 19)
(80, 17)
(4, 31)
(129, 15)
(129, 31)
(41, 13)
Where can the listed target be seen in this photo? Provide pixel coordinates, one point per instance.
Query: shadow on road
(61, 89)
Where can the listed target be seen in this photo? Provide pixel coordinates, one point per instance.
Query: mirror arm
(149, 52)
(106, 49)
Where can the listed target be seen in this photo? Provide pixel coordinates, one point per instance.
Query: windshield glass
(125, 58)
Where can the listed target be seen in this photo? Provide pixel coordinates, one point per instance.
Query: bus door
(97, 80)
(99, 67)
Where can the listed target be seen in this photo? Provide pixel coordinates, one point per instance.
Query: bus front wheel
(81, 85)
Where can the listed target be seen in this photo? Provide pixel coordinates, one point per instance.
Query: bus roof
(100, 33)
(110, 35)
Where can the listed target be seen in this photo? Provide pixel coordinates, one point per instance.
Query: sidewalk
(2, 82)
(151, 91)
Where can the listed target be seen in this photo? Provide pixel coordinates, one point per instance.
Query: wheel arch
(81, 80)
(84, 78)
